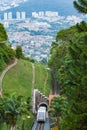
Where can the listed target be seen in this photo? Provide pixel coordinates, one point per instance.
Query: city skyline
(22, 15)
(33, 25)
(9, 15)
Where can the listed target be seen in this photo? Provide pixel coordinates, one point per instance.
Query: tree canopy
(81, 6)
(19, 53)
(12, 109)
(7, 54)
(68, 58)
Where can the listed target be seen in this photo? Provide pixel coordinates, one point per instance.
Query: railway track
(40, 126)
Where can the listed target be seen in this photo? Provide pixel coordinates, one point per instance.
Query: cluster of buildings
(38, 47)
(44, 14)
(74, 18)
(19, 16)
(22, 15)
(7, 4)
(35, 34)
(8, 17)
(33, 45)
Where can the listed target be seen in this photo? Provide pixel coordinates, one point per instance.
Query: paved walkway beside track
(4, 72)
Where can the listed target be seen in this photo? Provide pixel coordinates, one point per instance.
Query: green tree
(2, 64)
(10, 52)
(12, 109)
(19, 53)
(70, 67)
(82, 27)
(58, 108)
(7, 54)
(81, 6)
(2, 120)
(74, 82)
(3, 34)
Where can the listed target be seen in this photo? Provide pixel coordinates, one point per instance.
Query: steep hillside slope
(20, 79)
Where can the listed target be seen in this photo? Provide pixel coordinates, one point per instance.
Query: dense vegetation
(69, 61)
(7, 54)
(13, 109)
(81, 6)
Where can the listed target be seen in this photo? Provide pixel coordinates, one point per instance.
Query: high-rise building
(51, 14)
(23, 15)
(10, 15)
(34, 14)
(6, 24)
(55, 14)
(5, 16)
(18, 15)
(41, 14)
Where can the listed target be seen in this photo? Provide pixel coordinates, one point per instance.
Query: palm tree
(1, 111)
(81, 6)
(14, 109)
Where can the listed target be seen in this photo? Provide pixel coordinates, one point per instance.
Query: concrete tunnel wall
(39, 100)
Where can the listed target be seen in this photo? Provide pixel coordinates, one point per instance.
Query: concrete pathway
(4, 72)
(33, 84)
(45, 82)
(33, 76)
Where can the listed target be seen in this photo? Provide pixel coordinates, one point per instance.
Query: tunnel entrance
(43, 104)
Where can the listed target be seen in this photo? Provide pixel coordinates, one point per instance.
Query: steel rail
(40, 126)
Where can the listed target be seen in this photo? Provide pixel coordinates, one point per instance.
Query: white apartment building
(34, 14)
(18, 15)
(5, 16)
(10, 15)
(51, 14)
(23, 15)
(41, 14)
(6, 24)
(46, 14)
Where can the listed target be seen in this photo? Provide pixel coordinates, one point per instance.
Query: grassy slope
(42, 79)
(19, 79)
